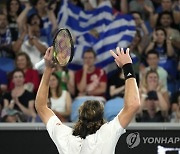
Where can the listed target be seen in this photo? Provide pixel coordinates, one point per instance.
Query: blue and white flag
(113, 30)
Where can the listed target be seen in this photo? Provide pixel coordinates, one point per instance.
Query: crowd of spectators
(27, 29)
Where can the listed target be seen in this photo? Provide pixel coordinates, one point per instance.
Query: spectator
(136, 47)
(35, 19)
(62, 73)
(166, 5)
(116, 85)
(115, 95)
(13, 8)
(49, 22)
(33, 46)
(166, 21)
(142, 6)
(152, 58)
(67, 78)
(152, 83)
(6, 53)
(60, 99)
(140, 26)
(19, 98)
(32, 78)
(164, 47)
(91, 81)
(161, 43)
(151, 114)
(7, 47)
(11, 115)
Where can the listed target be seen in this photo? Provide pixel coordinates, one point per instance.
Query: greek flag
(111, 30)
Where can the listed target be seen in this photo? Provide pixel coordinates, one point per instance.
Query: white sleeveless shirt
(59, 104)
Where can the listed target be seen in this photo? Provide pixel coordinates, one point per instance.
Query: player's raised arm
(131, 97)
(42, 95)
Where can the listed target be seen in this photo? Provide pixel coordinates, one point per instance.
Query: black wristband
(128, 71)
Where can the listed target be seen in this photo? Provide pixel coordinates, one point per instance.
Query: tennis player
(90, 135)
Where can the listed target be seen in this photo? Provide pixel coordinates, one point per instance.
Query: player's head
(90, 118)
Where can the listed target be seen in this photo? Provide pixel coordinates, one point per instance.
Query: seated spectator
(175, 107)
(33, 46)
(90, 82)
(19, 98)
(60, 99)
(32, 78)
(151, 114)
(11, 115)
(63, 74)
(67, 79)
(152, 59)
(13, 8)
(115, 95)
(152, 83)
(116, 85)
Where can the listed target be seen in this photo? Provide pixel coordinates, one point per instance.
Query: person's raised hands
(121, 57)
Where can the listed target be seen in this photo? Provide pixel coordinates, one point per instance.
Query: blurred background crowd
(150, 28)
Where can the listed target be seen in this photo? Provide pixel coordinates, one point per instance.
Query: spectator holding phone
(151, 114)
(49, 22)
(152, 83)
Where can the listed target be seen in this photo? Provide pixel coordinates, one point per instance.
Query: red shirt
(30, 75)
(93, 79)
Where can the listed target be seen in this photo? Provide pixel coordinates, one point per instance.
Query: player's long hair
(90, 118)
